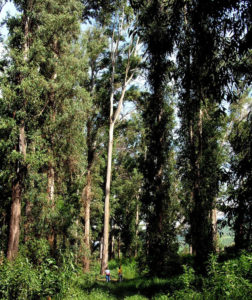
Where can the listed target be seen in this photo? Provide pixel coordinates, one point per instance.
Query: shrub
(23, 280)
(19, 280)
(226, 280)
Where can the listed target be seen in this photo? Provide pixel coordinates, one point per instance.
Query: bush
(23, 280)
(19, 280)
(228, 280)
(36, 250)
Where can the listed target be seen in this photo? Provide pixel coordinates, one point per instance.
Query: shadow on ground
(137, 286)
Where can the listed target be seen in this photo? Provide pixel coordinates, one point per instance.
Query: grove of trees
(125, 125)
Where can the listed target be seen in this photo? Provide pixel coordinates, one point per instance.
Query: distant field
(226, 239)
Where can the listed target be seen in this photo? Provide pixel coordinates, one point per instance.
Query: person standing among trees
(107, 273)
(120, 273)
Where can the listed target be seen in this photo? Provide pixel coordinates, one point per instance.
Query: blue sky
(8, 8)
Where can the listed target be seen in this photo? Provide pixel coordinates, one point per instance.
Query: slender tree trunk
(86, 203)
(104, 261)
(215, 230)
(119, 247)
(51, 170)
(112, 254)
(86, 194)
(137, 229)
(113, 118)
(101, 246)
(14, 230)
(51, 202)
(201, 223)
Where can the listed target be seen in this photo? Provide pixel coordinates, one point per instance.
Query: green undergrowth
(228, 279)
(231, 279)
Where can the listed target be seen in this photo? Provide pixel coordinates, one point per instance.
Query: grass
(134, 287)
(229, 279)
(137, 289)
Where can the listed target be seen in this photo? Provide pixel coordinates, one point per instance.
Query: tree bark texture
(86, 197)
(14, 228)
(14, 231)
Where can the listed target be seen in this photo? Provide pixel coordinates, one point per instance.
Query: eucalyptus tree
(122, 71)
(41, 97)
(21, 29)
(94, 44)
(158, 25)
(209, 42)
(206, 69)
(126, 186)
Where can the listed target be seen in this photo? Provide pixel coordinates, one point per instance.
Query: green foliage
(157, 165)
(24, 279)
(228, 280)
(239, 177)
(19, 280)
(36, 250)
(58, 88)
(126, 185)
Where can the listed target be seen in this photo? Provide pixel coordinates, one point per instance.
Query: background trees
(239, 200)
(61, 106)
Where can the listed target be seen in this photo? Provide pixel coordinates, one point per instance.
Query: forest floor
(230, 278)
(134, 287)
(137, 289)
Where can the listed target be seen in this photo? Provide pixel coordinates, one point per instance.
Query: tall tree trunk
(86, 203)
(101, 246)
(86, 193)
(113, 117)
(201, 222)
(104, 261)
(14, 230)
(51, 170)
(137, 229)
